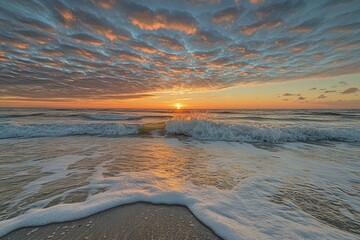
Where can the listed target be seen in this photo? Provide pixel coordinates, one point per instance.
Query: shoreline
(140, 220)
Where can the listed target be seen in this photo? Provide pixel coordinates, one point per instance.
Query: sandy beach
(133, 221)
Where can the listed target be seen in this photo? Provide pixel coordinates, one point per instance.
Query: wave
(207, 130)
(114, 117)
(351, 114)
(195, 128)
(280, 119)
(110, 117)
(20, 115)
(14, 130)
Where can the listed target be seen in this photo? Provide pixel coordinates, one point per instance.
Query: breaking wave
(14, 130)
(207, 130)
(196, 128)
(110, 117)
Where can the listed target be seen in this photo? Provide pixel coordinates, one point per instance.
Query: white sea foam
(208, 130)
(14, 130)
(242, 211)
(110, 117)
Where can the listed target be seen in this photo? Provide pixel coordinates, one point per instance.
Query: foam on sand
(133, 221)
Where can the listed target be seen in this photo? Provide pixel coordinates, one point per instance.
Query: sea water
(259, 174)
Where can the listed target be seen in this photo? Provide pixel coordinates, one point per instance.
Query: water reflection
(174, 163)
(171, 163)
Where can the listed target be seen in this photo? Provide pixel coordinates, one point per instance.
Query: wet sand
(133, 221)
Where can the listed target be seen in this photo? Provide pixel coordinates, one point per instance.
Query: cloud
(164, 42)
(301, 99)
(291, 94)
(102, 26)
(106, 4)
(203, 56)
(251, 29)
(242, 51)
(67, 17)
(225, 15)
(348, 28)
(307, 26)
(343, 83)
(208, 38)
(35, 36)
(299, 47)
(274, 9)
(322, 96)
(15, 42)
(87, 39)
(256, 1)
(350, 90)
(143, 47)
(146, 19)
(203, 2)
(106, 47)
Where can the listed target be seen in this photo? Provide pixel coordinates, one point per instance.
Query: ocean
(247, 174)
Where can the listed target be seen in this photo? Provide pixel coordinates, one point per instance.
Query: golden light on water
(178, 105)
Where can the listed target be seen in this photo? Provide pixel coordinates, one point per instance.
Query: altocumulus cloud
(126, 49)
(350, 90)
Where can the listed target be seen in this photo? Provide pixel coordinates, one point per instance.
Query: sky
(238, 54)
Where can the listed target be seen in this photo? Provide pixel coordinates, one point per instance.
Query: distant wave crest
(14, 130)
(208, 130)
(110, 117)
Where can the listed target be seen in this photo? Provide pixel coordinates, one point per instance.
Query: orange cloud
(170, 43)
(204, 55)
(51, 53)
(317, 57)
(251, 29)
(296, 49)
(299, 48)
(159, 63)
(146, 19)
(347, 46)
(102, 27)
(256, 1)
(226, 15)
(35, 36)
(106, 4)
(107, 32)
(182, 70)
(85, 54)
(15, 43)
(302, 29)
(172, 57)
(2, 57)
(242, 51)
(342, 30)
(87, 39)
(127, 56)
(144, 48)
(67, 16)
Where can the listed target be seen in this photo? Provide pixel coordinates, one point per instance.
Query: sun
(178, 105)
